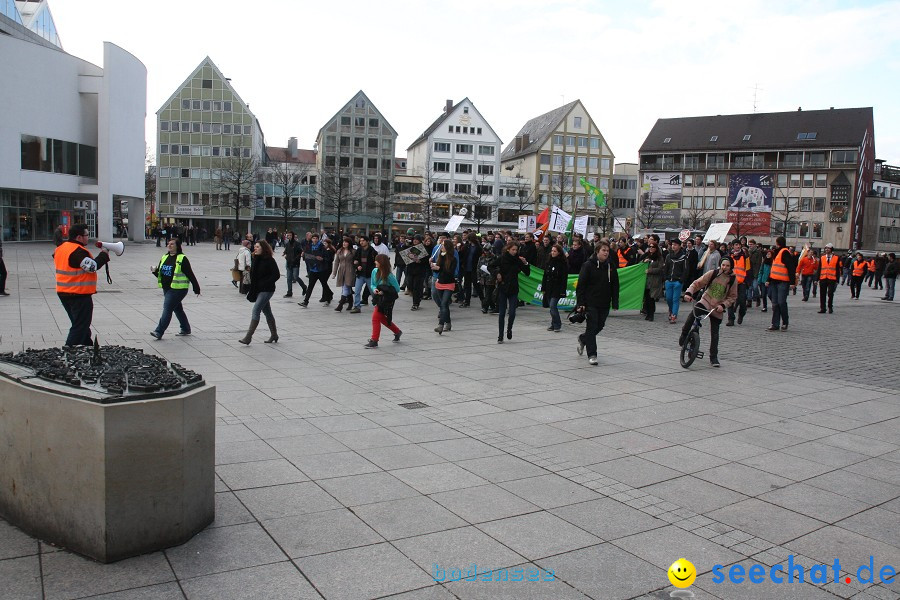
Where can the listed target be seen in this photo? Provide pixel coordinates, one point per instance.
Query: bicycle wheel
(689, 349)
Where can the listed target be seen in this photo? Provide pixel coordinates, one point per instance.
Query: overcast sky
(297, 63)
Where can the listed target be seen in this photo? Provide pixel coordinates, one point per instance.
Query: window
(206, 84)
(226, 106)
(329, 161)
(479, 131)
(710, 180)
(698, 182)
(708, 202)
(457, 129)
(207, 105)
(246, 130)
(466, 130)
(558, 140)
(246, 153)
(173, 149)
(686, 201)
(217, 128)
(195, 127)
(441, 147)
(691, 161)
(570, 140)
(807, 180)
(465, 110)
(440, 186)
(821, 180)
(791, 159)
(344, 161)
(747, 138)
(463, 168)
(485, 150)
(373, 143)
(843, 157)
(185, 173)
(217, 106)
(205, 150)
(359, 121)
(372, 163)
(185, 150)
(373, 122)
(206, 127)
(576, 122)
(163, 125)
(581, 162)
(485, 169)
(593, 162)
(386, 165)
(164, 149)
(464, 148)
(357, 162)
(667, 140)
(345, 141)
(795, 180)
(714, 138)
(360, 103)
(688, 181)
(582, 142)
(782, 180)
(345, 120)
(216, 150)
(604, 164)
(804, 229)
(815, 159)
(570, 161)
(462, 188)
(809, 135)
(720, 202)
(544, 178)
(557, 160)
(485, 190)
(441, 167)
(715, 161)
(819, 205)
(595, 143)
(805, 204)
(227, 129)
(545, 159)
(195, 104)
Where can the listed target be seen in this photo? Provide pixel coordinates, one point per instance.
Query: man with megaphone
(76, 282)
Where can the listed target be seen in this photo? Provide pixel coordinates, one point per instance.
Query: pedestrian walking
(653, 289)
(344, 273)
(781, 278)
(3, 273)
(263, 275)
(596, 292)
(385, 291)
(511, 264)
(554, 285)
(76, 282)
(444, 268)
(174, 275)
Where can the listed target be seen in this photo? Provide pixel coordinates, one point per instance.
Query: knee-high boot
(253, 325)
(273, 331)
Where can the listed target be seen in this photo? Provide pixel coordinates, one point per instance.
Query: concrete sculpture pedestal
(108, 481)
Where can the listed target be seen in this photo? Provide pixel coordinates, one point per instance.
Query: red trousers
(378, 319)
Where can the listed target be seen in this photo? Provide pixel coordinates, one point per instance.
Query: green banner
(632, 281)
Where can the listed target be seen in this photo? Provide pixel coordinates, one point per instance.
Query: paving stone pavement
(525, 457)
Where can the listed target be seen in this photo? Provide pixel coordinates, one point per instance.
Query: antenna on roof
(756, 90)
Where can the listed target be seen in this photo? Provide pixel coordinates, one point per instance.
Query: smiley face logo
(682, 573)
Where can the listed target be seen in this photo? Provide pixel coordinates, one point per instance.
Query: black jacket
(364, 261)
(292, 251)
(598, 284)
(529, 251)
(576, 258)
(263, 274)
(385, 300)
(676, 267)
(555, 278)
(510, 267)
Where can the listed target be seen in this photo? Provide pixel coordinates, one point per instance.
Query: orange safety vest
(740, 268)
(859, 267)
(828, 269)
(623, 262)
(779, 269)
(807, 266)
(69, 280)
(871, 264)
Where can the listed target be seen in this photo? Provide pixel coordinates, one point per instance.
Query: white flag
(559, 220)
(581, 223)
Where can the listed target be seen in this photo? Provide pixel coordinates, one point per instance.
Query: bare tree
(236, 183)
(288, 177)
(783, 218)
(648, 211)
(430, 195)
(481, 203)
(562, 187)
(150, 186)
(338, 196)
(605, 219)
(383, 203)
(696, 217)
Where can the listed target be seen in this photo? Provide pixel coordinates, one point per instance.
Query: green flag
(632, 281)
(594, 192)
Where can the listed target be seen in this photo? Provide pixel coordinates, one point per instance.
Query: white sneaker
(592, 360)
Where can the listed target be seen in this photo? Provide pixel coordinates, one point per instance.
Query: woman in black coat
(511, 264)
(263, 275)
(554, 284)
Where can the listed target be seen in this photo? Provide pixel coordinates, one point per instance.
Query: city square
(523, 457)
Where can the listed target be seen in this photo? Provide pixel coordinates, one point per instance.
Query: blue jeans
(673, 296)
(293, 274)
(555, 321)
(890, 283)
(443, 298)
(262, 305)
(806, 282)
(361, 282)
(778, 293)
(172, 304)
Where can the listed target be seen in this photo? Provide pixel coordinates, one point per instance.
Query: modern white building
(458, 158)
(71, 132)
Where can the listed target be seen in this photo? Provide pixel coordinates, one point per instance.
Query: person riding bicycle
(721, 293)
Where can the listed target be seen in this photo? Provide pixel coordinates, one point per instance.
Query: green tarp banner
(632, 281)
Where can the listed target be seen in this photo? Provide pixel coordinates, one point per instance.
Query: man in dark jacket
(529, 249)
(363, 262)
(755, 254)
(781, 278)
(291, 256)
(597, 291)
(576, 256)
(317, 266)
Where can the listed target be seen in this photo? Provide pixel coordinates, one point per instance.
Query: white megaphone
(117, 247)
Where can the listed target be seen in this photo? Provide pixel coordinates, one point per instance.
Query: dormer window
(809, 135)
(747, 138)
(465, 109)
(667, 140)
(714, 138)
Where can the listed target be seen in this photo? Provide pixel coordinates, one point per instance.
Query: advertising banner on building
(660, 200)
(750, 203)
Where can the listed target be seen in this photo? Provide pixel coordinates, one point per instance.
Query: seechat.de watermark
(471, 573)
(796, 573)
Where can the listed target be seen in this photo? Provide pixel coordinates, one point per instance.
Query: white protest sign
(717, 232)
(559, 220)
(454, 223)
(581, 224)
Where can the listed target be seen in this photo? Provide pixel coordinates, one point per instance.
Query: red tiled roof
(283, 155)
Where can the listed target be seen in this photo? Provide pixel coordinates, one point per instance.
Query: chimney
(799, 109)
(526, 139)
(448, 106)
(292, 147)
(518, 143)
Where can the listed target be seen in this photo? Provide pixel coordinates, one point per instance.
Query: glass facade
(32, 217)
(57, 156)
(8, 9)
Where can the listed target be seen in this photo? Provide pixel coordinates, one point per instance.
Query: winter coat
(543, 255)
(263, 274)
(720, 289)
(598, 284)
(343, 269)
(576, 258)
(510, 267)
(492, 263)
(555, 278)
(655, 274)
